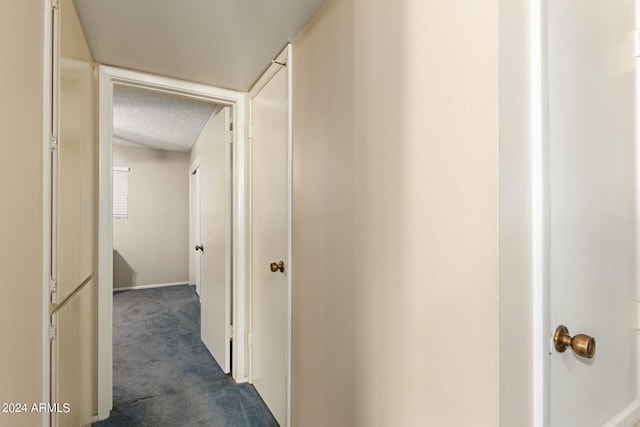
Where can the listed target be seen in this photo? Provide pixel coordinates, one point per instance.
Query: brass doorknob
(582, 345)
(275, 266)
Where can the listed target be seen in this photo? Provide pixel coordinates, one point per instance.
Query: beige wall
(395, 215)
(151, 247)
(21, 207)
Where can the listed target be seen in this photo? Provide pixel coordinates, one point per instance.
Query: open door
(270, 237)
(195, 241)
(591, 187)
(215, 239)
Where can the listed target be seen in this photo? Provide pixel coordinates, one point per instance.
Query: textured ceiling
(150, 119)
(225, 43)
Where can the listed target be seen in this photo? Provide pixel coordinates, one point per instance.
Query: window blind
(120, 193)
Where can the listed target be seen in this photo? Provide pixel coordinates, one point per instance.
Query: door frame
(284, 59)
(538, 192)
(108, 77)
(51, 29)
(539, 214)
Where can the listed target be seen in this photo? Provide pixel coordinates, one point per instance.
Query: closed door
(591, 172)
(215, 286)
(195, 240)
(269, 237)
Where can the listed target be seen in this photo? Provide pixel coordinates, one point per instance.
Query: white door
(591, 171)
(269, 244)
(215, 255)
(195, 240)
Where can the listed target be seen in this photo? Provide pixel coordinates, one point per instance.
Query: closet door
(73, 159)
(74, 359)
(215, 272)
(73, 312)
(269, 244)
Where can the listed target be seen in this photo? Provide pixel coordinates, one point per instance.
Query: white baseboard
(157, 285)
(628, 417)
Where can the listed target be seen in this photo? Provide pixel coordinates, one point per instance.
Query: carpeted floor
(163, 374)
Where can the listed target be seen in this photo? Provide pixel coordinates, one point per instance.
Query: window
(120, 193)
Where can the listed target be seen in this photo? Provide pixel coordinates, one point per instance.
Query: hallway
(164, 375)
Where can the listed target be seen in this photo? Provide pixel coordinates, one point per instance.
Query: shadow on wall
(123, 274)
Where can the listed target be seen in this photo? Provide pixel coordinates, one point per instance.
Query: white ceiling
(146, 118)
(225, 43)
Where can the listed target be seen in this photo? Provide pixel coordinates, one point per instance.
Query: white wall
(21, 165)
(152, 245)
(396, 215)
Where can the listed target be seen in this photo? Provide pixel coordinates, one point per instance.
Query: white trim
(54, 369)
(637, 205)
(273, 69)
(156, 285)
(289, 54)
(539, 241)
(285, 57)
(228, 238)
(105, 245)
(628, 417)
(108, 77)
(47, 103)
(195, 165)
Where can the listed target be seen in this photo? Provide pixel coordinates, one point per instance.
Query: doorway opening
(228, 109)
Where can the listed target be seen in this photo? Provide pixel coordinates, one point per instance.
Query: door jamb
(48, 113)
(284, 59)
(539, 214)
(108, 76)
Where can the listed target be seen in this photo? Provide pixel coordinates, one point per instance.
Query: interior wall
(323, 219)
(396, 215)
(21, 166)
(151, 247)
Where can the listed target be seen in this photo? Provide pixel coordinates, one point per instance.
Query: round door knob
(582, 345)
(277, 266)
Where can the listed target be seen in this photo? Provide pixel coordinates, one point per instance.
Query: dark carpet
(163, 375)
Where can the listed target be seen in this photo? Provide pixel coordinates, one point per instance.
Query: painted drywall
(151, 246)
(175, 38)
(21, 228)
(147, 118)
(395, 238)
